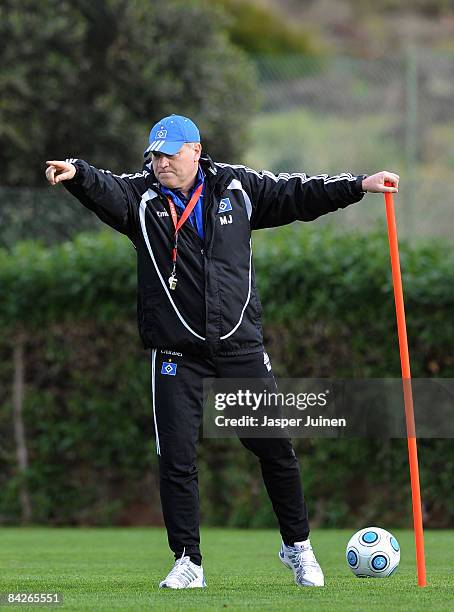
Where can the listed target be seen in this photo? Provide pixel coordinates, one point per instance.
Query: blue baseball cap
(170, 134)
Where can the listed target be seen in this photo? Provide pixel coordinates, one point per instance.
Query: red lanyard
(178, 224)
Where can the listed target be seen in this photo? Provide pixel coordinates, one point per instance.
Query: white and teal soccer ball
(373, 553)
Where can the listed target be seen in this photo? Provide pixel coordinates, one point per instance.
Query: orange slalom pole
(406, 381)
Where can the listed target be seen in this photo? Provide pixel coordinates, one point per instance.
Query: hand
(376, 182)
(58, 171)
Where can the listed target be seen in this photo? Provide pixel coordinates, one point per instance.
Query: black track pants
(177, 397)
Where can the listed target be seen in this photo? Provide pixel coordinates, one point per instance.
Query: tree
(88, 79)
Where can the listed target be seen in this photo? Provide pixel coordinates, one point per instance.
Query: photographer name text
(250, 421)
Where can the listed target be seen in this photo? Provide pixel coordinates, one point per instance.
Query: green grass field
(106, 569)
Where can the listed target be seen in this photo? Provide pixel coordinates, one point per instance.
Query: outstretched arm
(114, 199)
(281, 199)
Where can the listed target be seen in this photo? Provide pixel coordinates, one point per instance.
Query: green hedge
(328, 311)
(92, 276)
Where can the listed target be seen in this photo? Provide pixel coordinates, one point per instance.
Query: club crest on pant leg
(168, 368)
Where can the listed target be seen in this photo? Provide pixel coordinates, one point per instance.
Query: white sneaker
(301, 559)
(184, 575)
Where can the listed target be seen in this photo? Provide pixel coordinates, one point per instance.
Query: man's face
(176, 171)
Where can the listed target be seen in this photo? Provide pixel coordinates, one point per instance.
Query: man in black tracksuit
(190, 220)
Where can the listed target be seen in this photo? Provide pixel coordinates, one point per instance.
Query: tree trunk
(19, 429)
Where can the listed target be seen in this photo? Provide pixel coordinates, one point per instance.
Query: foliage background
(88, 79)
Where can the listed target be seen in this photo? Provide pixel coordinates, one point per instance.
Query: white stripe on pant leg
(153, 397)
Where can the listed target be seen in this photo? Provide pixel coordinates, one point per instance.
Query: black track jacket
(215, 309)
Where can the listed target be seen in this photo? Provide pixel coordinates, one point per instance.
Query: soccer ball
(373, 553)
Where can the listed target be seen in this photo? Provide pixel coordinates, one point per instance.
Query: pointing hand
(58, 171)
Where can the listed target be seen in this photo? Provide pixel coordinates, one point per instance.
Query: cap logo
(161, 133)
